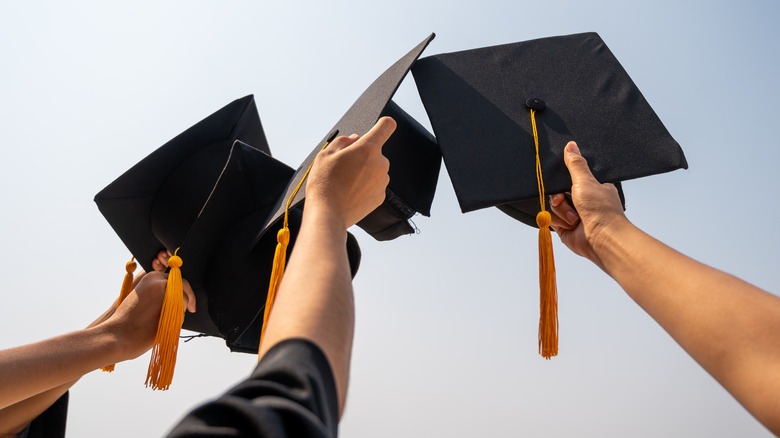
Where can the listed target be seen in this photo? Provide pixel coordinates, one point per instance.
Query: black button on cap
(535, 104)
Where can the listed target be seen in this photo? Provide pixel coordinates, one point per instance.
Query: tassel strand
(548, 289)
(166, 342)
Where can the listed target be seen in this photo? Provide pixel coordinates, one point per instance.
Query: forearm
(15, 417)
(32, 369)
(731, 328)
(315, 299)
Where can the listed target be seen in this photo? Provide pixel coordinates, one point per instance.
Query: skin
(315, 298)
(34, 376)
(730, 327)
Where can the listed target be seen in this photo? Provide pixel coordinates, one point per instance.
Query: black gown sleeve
(291, 393)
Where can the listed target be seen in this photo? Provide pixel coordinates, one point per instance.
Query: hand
(349, 176)
(598, 207)
(159, 264)
(135, 321)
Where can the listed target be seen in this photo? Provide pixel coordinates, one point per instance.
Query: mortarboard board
(478, 104)
(415, 158)
(208, 193)
(490, 107)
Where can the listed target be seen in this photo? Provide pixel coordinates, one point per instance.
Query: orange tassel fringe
(548, 294)
(280, 258)
(166, 342)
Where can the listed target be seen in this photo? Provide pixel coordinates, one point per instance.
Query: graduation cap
(415, 158)
(502, 116)
(207, 195)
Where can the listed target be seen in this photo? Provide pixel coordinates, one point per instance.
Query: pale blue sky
(446, 325)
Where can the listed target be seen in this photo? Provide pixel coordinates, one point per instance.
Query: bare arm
(15, 417)
(34, 376)
(315, 298)
(731, 328)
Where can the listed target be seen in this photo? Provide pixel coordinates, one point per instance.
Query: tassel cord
(548, 290)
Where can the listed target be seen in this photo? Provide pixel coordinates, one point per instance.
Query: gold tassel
(127, 287)
(548, 294)
(548, 289)
(166, 342)
(280, 256)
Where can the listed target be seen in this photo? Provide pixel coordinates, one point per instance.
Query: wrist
(108, 338)
(609, 240)
(324, 219)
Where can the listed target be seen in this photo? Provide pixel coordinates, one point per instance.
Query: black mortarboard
(478, 103)
(502, 116)
(414, 157)
(209, 193)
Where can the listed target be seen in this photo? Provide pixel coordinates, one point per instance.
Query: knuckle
(384, 163)
(577, 160)
(336, 143)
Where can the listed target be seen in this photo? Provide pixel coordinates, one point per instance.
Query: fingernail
(354, 136)
(573, 148)
(571, 216)
(555, 200)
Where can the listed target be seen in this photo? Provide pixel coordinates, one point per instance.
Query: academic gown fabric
(291, 393)
(50, 424)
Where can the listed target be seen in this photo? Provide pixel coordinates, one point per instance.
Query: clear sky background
(447, 318)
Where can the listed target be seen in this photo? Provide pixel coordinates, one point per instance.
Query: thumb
(576, 163)
(379, 134)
